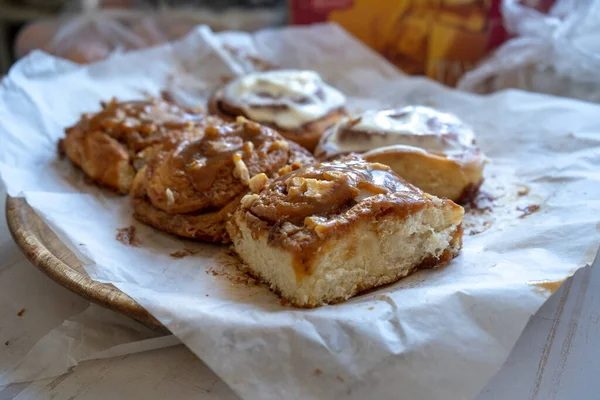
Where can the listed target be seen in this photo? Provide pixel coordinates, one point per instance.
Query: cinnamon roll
(295, 102)
(433, 150)
(190, 189)
(323, 233)
(110, 145)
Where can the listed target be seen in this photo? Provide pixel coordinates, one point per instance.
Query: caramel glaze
(140, 124)
(199, 176)
(302, 209)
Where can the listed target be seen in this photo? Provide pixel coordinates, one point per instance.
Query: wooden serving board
(45, 250)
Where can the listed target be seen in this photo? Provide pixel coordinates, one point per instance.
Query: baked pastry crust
(191, 189)
(112, 144)
(280, 99)
(323, 233)
(433, 150)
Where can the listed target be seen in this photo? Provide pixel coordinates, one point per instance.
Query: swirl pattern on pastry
(112, 144)
(190, 189)
(296, 102)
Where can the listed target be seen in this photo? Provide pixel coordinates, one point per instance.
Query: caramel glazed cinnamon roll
(435, 151)
(323, 233)
(190, 189)
(298, 104)
(112, 144)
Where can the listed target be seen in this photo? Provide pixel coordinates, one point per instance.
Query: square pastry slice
(321, 234)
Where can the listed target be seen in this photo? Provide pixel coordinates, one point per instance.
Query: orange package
(439, 38)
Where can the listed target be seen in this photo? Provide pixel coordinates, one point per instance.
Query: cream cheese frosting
(285, 98)
(409, 129)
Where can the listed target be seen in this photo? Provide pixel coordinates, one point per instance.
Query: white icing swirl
(286, 98)
(409, 129)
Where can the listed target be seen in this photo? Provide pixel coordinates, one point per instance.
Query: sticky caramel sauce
(352, 189)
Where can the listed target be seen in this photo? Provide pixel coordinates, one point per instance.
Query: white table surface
(557, 357)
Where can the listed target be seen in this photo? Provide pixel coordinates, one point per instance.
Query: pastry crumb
(318, 372)
(524, 191)
(127, 236)
(21, 312)
(528, 210)
(234, 276)
(182, 253)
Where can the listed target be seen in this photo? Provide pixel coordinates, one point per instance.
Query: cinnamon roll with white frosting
(433, 150)
(295, 102)
(191, 188)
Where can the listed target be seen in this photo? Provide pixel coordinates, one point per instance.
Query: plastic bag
(556, 53)
(92, 33)
(85, 35)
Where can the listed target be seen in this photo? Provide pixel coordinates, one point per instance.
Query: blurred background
(550, 46)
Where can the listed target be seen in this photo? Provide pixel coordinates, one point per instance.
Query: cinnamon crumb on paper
(127, 236)
(528, 210)
(183, 253)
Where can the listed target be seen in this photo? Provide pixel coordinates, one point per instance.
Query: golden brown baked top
(208, 173)
(140, 124)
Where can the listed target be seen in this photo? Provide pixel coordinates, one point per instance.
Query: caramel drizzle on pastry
(286, 98)
(208, 173)
(203, 159)
(306, 205)
(139, 124)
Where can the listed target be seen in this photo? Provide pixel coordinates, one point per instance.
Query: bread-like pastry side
(191, 189)
(433, 150)
(323, 233)
(297, 103)
(112, 144)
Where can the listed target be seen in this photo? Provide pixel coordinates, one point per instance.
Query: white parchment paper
(436, 335)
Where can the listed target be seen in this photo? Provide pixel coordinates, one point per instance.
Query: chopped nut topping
(309, 187)
(170, 197)
(248, 199)
(211, 131)
(241, 170)
(198, 164)
(289, 168)
(379, 166)
(240, 119)
(317, 224)
(279, 144)
(258, 182)
(332, 175)
(248, 147)
(289, 229)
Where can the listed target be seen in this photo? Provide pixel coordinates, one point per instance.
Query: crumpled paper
(438, 334)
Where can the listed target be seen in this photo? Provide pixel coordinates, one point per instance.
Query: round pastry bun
(191, 189)
(300, 128)
(434, 151)
(113, 143)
